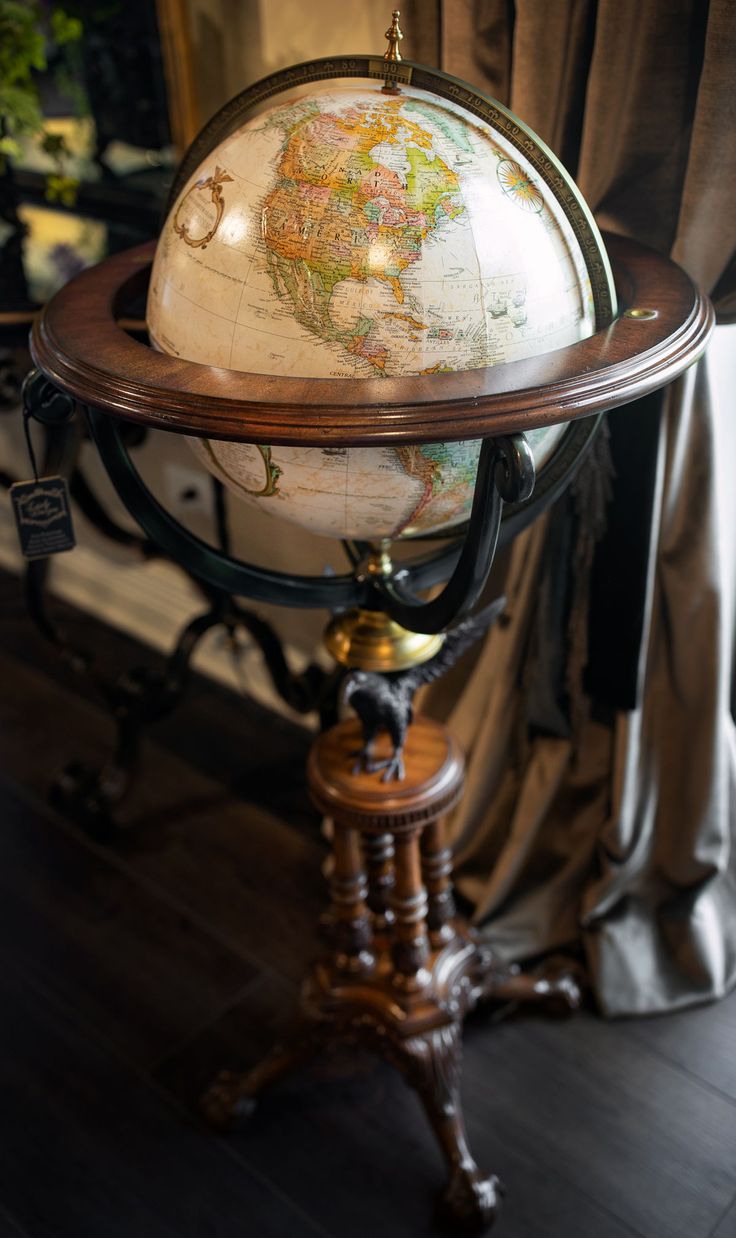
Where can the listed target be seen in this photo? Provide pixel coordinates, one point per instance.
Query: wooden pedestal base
(403, 970)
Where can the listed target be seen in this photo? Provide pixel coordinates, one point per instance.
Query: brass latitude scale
(401, 969)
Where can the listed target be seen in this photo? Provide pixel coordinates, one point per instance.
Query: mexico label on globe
(353, 233)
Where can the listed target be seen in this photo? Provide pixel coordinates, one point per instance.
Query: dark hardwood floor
(130, 972)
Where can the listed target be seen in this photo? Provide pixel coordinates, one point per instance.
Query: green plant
(31, 34)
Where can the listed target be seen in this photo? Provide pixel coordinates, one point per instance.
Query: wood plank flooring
(131, 972)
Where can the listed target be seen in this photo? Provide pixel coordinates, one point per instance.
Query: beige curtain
(616, 835)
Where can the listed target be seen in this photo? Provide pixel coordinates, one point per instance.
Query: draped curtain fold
(616, 834)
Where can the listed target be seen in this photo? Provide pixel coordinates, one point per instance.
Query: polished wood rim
(663, 326)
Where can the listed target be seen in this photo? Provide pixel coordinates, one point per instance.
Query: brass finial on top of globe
(394, 35)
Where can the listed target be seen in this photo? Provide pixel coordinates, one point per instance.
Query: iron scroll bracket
(44, 401)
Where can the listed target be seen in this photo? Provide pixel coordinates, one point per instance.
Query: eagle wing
(457, 640)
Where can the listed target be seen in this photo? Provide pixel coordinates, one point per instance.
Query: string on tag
(29, 442)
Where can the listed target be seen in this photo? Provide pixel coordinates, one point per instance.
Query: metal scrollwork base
(141, 697)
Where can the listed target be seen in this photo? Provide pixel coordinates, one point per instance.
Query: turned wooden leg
(432, 1063)
(408, 901)
(348, 889)
(437, 874)
(379, 862)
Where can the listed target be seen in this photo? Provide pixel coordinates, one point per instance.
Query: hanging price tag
(41, 507)
(43, 516)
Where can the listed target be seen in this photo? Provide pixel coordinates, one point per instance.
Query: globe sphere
(352, 232)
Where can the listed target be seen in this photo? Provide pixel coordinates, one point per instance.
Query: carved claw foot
(470, 1201)
(232, 1097)
(226, 1101)
(560, 994)
(432, 1064)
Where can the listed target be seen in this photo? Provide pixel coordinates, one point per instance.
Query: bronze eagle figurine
(383, 701)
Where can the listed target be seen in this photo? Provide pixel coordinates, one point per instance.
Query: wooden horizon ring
(80, 347)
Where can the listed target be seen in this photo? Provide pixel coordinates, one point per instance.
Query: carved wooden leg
(348, 889)
(437, 873)
(379, 860)
(556, 987)
(432, 1062)
(232, 1096)
(408, 1022)
(408, 901)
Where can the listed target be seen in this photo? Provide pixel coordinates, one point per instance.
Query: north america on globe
(358, 195)
(349, 233)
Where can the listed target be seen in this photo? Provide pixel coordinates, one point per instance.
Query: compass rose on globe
(519, 186)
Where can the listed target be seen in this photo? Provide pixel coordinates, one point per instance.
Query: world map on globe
(349, 233)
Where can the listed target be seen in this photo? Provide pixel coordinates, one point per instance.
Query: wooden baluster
(408, 901)
(348, 888)
(437, 874)
(379, 859)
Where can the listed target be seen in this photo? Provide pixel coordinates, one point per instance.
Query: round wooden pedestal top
(432, 784)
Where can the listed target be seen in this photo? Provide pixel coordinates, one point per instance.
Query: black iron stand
(141, 697)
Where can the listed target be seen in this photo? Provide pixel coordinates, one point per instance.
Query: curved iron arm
(211, 566)
(505, 471)
(505, 474)
(91, 507)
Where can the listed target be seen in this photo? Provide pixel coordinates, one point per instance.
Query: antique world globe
(378, 305)
(358, 229)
